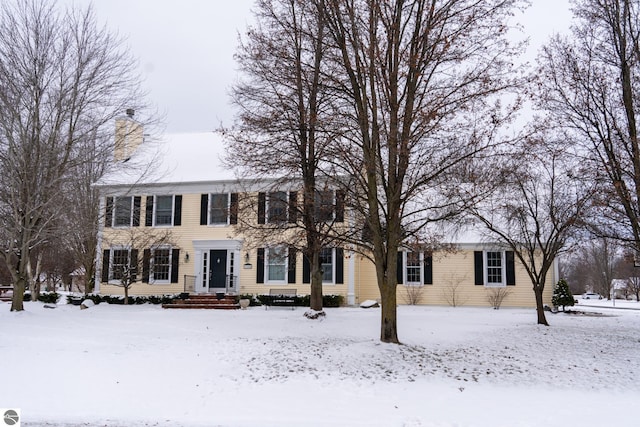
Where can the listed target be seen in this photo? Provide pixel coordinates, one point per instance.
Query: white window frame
(420, 267)
(333, 267)
(210, 209)
(155, 210)
(112, 254)
(152, 278)
(115, 211)
(503, 269)
(267, 264)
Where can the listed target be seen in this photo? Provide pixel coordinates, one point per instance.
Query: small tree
(562, 295)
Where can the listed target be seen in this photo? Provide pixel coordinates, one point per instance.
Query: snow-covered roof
(172, 159)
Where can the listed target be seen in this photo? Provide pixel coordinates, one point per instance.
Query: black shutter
(146, 258)
(177, 210)
(306, 270)
(133, 263)
(148, 212)
(510, 268)
(428, 269)
(291, 276)
(233, 209)
(293, 207)
(339, 206)
(339, 266)
(108, 212)
(262, 205)
(106, 261)
(399, 265)
(136, 211)
(478, 268)
(175, 262)
(204, 209)
(260, 266)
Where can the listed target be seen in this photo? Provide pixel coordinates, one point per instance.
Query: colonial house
(173, 217)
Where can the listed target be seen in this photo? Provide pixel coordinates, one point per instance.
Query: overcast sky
(185, 49)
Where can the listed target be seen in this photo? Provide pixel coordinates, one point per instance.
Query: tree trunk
(315, 302)
(542, 319)
(18, 293)
(389, 320)
(126, 295)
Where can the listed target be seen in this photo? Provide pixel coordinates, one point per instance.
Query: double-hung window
(494, 271)
(326, 264)
(324, 206)
(277, 207)
(160, 265)
(120, 265)
(219, 209)
(164, 210)
(123, 209)
(414, 268)
(495, 268)
(277, 264)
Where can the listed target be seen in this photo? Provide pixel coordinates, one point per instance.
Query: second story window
(219, 208)
(122, 211)
(164, 210)
(277, 207)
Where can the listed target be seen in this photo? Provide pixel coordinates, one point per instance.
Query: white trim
(503, 269)
(155, 207)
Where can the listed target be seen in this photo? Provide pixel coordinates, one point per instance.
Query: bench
(282, 297)
(4, 289)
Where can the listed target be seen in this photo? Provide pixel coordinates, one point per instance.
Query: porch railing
(231, 284)
(190, 283)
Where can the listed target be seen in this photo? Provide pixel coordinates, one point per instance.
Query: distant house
(191, 195)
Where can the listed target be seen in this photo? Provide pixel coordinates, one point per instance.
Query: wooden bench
(4, 289)
(282, 297)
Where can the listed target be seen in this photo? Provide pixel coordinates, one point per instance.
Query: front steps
(206, 301)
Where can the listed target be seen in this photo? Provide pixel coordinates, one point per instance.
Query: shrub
(49, 297)
(562, 295)
(496, 296)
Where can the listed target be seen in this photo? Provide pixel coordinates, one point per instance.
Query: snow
(143, 365)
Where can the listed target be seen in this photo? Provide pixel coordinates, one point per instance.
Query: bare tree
(452, 293)
(283, 128)
(538, 208)
(419, 81)
(589, 84)
(63, 81)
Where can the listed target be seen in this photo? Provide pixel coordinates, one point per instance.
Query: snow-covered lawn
(144, 366)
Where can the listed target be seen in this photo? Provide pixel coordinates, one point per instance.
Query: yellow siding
(453, 272)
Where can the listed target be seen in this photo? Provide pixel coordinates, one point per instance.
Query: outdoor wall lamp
(247, 263)
(186, 257)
